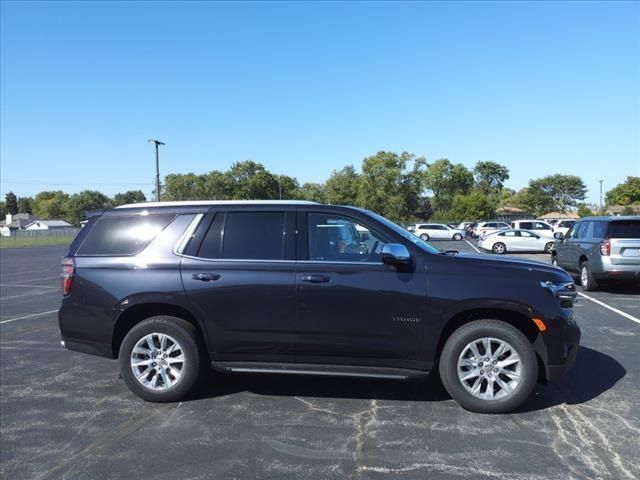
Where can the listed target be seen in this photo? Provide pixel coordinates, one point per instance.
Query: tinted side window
(581, 231)
(334, 238)
(541, 226)
(526, 225)
(126, 235)
(253, 236)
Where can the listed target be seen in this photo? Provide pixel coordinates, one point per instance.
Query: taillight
(605, 248)
(68, 269)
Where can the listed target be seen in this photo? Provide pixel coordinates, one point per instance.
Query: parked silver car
(485, 228)
(600, 249)
(428, 231)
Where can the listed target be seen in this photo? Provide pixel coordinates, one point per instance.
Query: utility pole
(280, 186)
(601, 195)
(157, 143)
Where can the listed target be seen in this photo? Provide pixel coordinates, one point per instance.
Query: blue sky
(309, 87)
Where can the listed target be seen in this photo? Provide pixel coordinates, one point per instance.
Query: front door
(353, 309)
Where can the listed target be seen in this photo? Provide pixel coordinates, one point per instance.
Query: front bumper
(571, 343)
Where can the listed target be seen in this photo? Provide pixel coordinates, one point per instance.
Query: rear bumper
(571, 343)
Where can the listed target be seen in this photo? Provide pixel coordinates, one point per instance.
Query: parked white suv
(485, 228)
(427, 231)
(537, 226)
(563, 226)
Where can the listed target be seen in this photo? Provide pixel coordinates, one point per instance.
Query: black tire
(499, 248)
(498, 330)
(554, 260)
(548, 247)
(457, 236)
(588, 283)
(185, 335)
(424, 236)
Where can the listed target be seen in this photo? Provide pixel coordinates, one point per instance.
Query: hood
(488, 261)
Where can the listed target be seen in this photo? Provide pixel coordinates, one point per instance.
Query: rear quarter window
(123, 235)
(624, 229)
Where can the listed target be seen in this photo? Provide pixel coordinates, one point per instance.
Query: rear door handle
(315, 278)
(205, 277)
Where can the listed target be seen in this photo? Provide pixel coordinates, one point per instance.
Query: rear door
(353, 309)
(239, 275)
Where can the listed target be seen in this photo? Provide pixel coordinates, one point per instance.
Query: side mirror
(558, 236)
(395, 253)
(364, 237)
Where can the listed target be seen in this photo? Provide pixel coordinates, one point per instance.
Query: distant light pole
(280, 186)
(157, 142)
(601, 195)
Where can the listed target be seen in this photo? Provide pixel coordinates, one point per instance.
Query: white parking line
(619, 312)
(472, 246)
(26, 286)
(27, 316)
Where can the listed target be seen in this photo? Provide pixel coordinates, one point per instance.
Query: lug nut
(481, 372)
(496, 370)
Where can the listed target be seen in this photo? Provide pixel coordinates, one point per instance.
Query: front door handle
(205, 277)
(315, 278)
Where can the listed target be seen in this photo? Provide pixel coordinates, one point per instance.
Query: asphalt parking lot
(66, 415)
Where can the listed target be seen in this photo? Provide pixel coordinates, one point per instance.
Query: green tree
(3, 210)
(50, 204)
(24, 205)
(475, 205)
(490, 176)
(80, 203)
(584, 210)
(131, 196)
(556, 193)
(11, 203)
(387, 187)
(217, 186)
(187, 186)
(251, 181)
(341, 188)
(625, 193)
(313, 192)
(446, 180)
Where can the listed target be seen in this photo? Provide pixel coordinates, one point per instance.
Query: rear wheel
(160, 359)
(457, 236)
(586, 278)
(488, 366)
(554, 260)
(499, 248)
(424, 236)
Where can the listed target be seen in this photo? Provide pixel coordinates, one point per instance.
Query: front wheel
(457, 236)
(488, 366)
(548, 247)
(160, 359)
(499, 248)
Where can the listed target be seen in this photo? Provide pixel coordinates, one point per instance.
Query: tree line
(400, 186)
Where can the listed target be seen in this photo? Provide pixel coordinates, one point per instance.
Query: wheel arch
(137, 313)
(516, 319)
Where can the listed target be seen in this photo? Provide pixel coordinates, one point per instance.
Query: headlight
(565, 291)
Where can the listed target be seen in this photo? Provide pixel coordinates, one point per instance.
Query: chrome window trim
(188, 234)
(255, 260)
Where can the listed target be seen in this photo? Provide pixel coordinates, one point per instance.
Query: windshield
(401, 231)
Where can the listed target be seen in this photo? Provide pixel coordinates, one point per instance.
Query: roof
(622, 208)
(52, 223)
(196, 203)
(559, 215)
(17, 223)
(613, 218)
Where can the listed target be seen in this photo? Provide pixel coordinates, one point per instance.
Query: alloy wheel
(157, 361)
(489, 368)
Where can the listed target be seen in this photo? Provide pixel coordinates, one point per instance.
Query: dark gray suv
(600, 249)
(304, 288)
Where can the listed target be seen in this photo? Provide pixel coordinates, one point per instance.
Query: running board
(318, 369)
